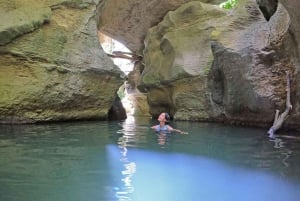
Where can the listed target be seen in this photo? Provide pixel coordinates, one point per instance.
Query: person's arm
(154, 127)
(176, 130)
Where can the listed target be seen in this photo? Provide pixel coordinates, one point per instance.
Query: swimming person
(164, 119)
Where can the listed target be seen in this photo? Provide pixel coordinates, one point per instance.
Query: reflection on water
(189, 172)
(285, 151)
(129, 168)
(162, 138)
(122, 161)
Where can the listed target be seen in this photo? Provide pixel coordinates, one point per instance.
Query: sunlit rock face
(205, 63)
(129, 20)
(52, 67)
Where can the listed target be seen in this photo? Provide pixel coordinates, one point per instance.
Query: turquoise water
(122, 161)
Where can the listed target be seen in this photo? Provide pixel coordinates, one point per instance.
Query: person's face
(162, 117)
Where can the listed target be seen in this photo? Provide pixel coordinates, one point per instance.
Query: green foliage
(229, 4)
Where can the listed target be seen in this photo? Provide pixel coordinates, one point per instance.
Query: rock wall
(294, 31)
(200, 62)
(52, 67)
(128, 21)
(205, 63)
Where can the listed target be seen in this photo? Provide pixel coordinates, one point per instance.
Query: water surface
(118, 161)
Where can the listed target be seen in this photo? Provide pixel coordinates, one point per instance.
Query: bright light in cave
(110, 45)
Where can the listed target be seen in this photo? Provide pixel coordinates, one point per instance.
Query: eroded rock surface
(53, 68)
(200, 62)
(129, 21)
(204, 63)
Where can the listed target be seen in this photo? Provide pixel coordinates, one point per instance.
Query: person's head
(164, 117)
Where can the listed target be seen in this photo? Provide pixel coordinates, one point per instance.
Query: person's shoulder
(169, 127)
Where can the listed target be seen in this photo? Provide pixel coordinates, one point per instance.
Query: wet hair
(167, 117)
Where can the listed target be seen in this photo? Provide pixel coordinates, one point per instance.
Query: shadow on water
(119, 161)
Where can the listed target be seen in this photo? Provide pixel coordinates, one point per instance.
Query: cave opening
(134, 102)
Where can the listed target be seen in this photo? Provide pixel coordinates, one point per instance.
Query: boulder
(58, 70)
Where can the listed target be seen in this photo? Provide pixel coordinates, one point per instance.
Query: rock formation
(52, 67)
(200, 62)
(129, 21)
(205, 63)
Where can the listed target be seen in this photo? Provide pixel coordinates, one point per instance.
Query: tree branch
(125, 55)
(279, 119)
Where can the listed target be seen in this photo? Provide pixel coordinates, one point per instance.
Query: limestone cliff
(205, 63)
(52, 67)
